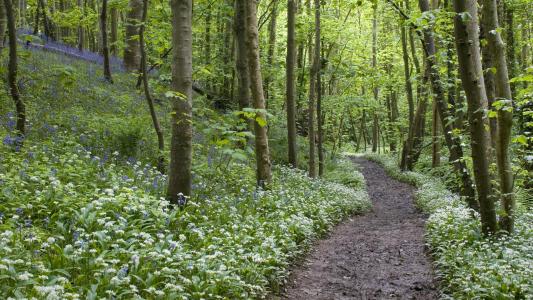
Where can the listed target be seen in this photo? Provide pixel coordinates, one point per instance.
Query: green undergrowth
(469, 265)
(77, 225)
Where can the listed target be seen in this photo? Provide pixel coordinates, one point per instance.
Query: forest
(266, 149)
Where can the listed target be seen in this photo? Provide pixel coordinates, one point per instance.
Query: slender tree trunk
(114, 31)
(318, 72)
(505, 115)
(149, 100)
(180, 177)
(488, 75)
(3, 25)
(105, 49)
(207, 48)
(20, 107)
(271, 51)
(311, 107)
(407, 75)
(453, 143)
(375, 133)
(132, 55)
(81, 34)
(509, 30)
(467, 41)
(435, 158)
(241, 62)
(36, 20)
(262, 152)
(290, 98)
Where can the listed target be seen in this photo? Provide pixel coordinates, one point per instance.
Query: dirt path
(376, 256)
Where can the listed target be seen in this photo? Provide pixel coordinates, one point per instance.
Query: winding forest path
(379, 255)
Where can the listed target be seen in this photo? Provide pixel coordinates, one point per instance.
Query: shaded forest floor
(379, 255)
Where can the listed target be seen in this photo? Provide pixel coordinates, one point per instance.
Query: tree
(105, 48)
(470, 70)
(180, 177)
(3, 24)
(132, 55)
(241, 60)
(318, 74)
(452, 141)
(504, 102)
(262, 152)
(148, 96)
(20, 107)
(311, 105)
(290, 85)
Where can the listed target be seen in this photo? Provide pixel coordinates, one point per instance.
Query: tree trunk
(262, 152)
(290, 98)
(241, 62)
(20, 107)
(132, 55)
(505, 115)
(467, 41)
(318, 71)
(81, 34)
(407, 75)
(149, 100)
(509, 30)
(375, 133)
(452, 141)
(488, 75)
(3, 25)
(311, 107)
(180, 177)
(105, 49)
(114, 31)
(435, 158)
(271, 51)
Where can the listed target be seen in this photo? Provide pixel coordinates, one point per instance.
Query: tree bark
(81, 33)
(290, 89)
(148, 96)
(311, 107)
(375, 123)
(114, 31)
(20, 107)
(271, 50)
(318, 72)
(3, 24)
(496, 48)
(262, 152)
(132, 55)
(435, 158)
(105, 48)
(407, 74)
(241, 62)
(180, 177)
(467, 42)
(452, 141)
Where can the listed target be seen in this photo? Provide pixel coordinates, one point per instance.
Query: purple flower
(182, 200)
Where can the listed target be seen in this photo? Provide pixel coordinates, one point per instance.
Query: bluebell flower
(123, 272)
(11, 124)
(182, 200)
(27, 222)
(19, 211)
(46, 221)
(75, 235)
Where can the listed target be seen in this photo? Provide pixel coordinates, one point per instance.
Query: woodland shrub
(75, 225)
(469, 265)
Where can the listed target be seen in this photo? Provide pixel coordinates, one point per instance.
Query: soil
(379, 255)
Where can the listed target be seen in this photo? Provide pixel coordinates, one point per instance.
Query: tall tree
(452, 141)
(375, 120)
(241, 60)
(114, 31)
(81, 30)
(180, 177)
(290, 91)
(132, 55)
(505, 116)
(262, 151)
(148, 96)
(311, 105)
(20, 107)
(272, 26)
(318, 73)
(3, 24)
(105, 48)
(467, 43)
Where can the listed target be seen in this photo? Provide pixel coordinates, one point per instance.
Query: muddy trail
(379, 255)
